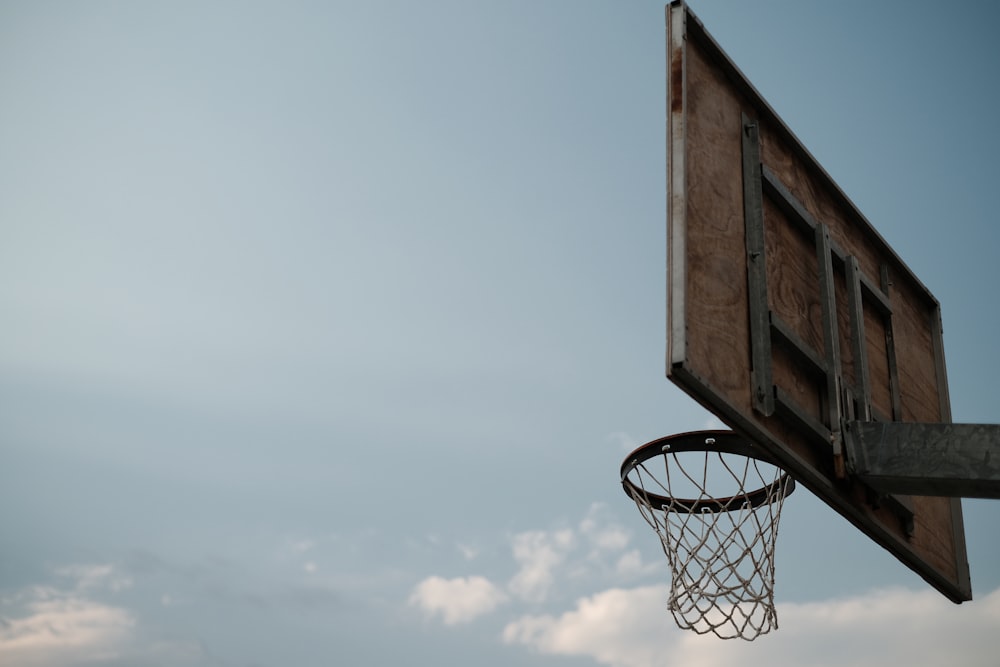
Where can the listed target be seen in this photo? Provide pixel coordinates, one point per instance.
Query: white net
(716, 514)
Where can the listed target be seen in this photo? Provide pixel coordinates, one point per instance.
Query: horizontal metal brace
(955, 460)
(784, 335)
(786, 406)
(875, 295)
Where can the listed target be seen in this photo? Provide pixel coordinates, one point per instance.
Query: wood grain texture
(791, 276)
(717, 274)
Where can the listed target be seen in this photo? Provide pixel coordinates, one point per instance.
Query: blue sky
(327, 325)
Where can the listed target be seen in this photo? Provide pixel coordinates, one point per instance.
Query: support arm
(957, 460)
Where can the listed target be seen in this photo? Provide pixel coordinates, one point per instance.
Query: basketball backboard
(789, 316)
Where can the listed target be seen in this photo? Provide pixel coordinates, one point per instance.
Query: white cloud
(66, 625)
(90, 577)
(544, 558)
(457, 600)
(626, 443)
(631, 565)
(616, 627)
(468, 552)
(48, 625)
(538, 553)
(302, 546)
(632, 628)
(58, 628)
(610, 538)
(602, 533)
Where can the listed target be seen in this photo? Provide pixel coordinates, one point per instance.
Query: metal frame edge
(676, 16)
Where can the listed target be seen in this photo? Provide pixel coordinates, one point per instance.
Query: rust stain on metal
(677, 80)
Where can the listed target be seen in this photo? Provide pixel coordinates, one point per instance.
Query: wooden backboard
(789, 316)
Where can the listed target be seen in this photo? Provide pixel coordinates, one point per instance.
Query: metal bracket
(956, 460)
(831, 339)
(760, 324)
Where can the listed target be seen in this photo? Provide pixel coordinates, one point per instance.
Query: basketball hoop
(719, 541)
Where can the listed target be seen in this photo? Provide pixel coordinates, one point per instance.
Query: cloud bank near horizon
(631, 628)
(628, 625)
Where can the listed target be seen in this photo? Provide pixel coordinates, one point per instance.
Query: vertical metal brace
(859, 349)
(940, 372)
(760, 325)
(831, 338)
(890, 350)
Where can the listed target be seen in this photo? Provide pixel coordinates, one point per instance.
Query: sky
(326, 326)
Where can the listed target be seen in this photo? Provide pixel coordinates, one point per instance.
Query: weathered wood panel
(707, 101)
(717, 278)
